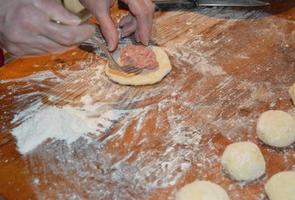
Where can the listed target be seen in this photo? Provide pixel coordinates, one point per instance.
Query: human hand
(139, 20)
(26, 27)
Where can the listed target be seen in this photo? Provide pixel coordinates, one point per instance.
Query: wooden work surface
(229, 66)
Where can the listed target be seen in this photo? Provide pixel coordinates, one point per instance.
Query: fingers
(31, 52)
(143, 10)
(101, 10)
(144, 22)
(112, 3)
(32, 31)
(109, 31)
(137, 37)
(31, 47)
(128, 24)
(47, 45)
(67, 35)
(125, 20)
(57, 12)
(22, 50)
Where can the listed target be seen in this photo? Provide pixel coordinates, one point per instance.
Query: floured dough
(243, 161)
(145, 78)
(276, 128)
(281, 186)
(292, 92)
(202, 190)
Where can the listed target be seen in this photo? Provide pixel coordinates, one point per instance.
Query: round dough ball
(148, 78)
(243, 161)
(202, 190)
(281, 186)
(276, 128)
(292, 92)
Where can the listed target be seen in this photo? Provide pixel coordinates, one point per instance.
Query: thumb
(57, 12)
(108, 30)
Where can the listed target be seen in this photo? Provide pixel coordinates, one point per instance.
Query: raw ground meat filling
(139, 56)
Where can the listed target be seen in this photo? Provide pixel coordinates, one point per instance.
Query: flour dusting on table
(117, 142)
(65, 123)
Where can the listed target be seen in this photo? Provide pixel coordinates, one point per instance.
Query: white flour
(171, 127)
(65, 123)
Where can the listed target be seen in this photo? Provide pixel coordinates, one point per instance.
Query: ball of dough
(292, 92)
(148, 78)
(281, 186)
(243, 161)
(202, 190)
(276, 128)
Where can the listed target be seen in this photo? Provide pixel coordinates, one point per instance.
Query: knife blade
(232, 3)
(163, 4)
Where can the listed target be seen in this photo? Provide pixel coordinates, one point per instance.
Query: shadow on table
(279, 6)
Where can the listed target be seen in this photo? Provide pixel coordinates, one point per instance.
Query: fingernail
(137, 39)
(123, 34)
(111, 47)
(75, 21)
(145, 42)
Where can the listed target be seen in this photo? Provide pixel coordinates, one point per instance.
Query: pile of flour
(66, 123)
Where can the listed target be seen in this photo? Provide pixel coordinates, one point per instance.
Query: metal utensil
(227, 3)
(166, 4)
(232, 3)
(113, 64)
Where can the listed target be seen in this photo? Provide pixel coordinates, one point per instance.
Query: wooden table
(229, 65)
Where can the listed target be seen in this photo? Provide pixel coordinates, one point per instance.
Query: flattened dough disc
(148, 78)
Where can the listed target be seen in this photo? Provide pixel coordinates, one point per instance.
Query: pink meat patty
(139, 56)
